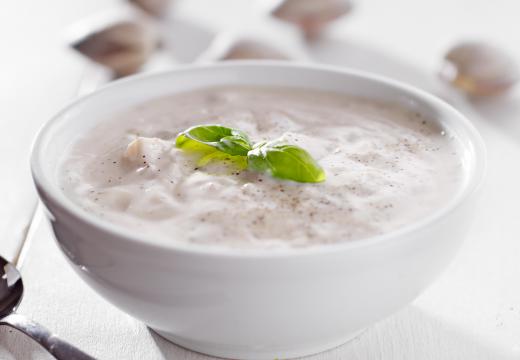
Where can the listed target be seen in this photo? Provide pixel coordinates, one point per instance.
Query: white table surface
(471, 312)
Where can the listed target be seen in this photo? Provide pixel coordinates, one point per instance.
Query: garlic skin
(123, 43)
(311, 15)
(157, 8)
(480, 69)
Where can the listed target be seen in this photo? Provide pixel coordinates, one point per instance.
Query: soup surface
(385, 167)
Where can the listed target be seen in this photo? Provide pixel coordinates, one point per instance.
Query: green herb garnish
(276, 158)
(226, 140)
(285, 161)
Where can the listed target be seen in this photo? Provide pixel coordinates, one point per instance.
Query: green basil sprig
(226, 140)
(276, 158)
(285, 161)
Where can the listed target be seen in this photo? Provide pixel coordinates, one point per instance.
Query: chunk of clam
(144, 150)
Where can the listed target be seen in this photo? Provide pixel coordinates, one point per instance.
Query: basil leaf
(285, 161)
(240, 162)
(280, 160)
(227, 140)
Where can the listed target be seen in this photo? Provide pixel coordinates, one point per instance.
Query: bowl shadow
(410, 334)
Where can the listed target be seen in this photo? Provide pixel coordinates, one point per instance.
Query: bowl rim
(52, 192)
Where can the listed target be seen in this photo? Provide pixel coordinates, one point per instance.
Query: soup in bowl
(258, 210)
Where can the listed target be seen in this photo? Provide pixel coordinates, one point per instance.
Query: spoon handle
(60, 349)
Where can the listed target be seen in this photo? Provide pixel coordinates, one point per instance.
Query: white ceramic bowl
(254, 304)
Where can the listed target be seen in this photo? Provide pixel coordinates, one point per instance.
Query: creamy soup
(385, 167)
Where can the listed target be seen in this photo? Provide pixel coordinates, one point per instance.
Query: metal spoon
(11, 292)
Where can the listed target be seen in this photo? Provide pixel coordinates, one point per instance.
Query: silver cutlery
(11, 293)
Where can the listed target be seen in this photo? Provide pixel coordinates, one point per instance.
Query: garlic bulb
(157, 8)
(311, 15)
(480, 69)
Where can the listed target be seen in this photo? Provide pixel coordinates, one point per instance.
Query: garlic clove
(311, 15)
(157, 8)
(123, 43)
(480, 69)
